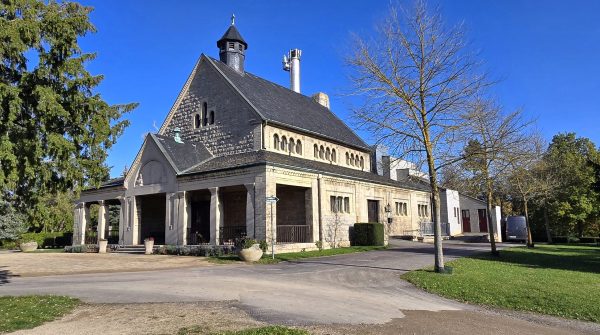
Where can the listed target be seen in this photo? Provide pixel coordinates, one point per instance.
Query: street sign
(272, 199)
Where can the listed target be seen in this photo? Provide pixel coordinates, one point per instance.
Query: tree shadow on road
(5, 275)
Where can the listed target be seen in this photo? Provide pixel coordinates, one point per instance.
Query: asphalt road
(346, 289)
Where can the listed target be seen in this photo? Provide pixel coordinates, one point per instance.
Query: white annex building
(232, 139)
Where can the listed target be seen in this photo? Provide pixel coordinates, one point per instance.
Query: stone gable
(236, 126)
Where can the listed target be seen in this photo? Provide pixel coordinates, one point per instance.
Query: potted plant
(149, 244)
(28, 246)
(249, 250)
(102, 244)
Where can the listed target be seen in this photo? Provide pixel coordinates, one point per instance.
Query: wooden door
(373, 209)
(466, 221)
(483, 222)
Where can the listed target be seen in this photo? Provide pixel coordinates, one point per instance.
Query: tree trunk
(491, 225)
(547, 222)
(435, 206)
(529, 239)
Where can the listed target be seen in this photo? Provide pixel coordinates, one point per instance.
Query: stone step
(131, 249)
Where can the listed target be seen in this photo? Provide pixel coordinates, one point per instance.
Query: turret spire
(232, 48)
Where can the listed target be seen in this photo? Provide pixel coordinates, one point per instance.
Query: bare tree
(496, 141)
(417, 78)
(532, 177)
(333, 229)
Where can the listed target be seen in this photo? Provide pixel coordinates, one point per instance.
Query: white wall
(449, 200)
(473, 205)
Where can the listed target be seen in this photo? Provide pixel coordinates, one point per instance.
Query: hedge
(49, 240)
(368, 234)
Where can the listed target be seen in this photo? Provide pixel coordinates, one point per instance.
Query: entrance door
(373, 209)
(483, 223)
(152, 217)
(466, 221)
(200, 223)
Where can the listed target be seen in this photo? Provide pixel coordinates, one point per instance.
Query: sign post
(272, 200)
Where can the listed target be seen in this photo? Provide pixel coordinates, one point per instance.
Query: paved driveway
(348, 289)
(323, 290)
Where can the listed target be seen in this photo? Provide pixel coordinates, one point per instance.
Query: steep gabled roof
(286, 108)
(181, 156)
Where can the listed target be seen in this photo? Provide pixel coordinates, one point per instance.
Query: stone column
(170, 211)
(122, 220)
(249, 210)
(103, 217)
(182, 217)
(131, 231)
(215, 215)
(81, 218)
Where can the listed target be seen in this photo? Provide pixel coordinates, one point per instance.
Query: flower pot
(102, 244)
(28, 246)
(149, 244)
(251, 254)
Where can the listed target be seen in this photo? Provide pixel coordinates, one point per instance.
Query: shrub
(368, 234)
(78, 249)
(195, 250)
(48, 240)
(12, 224)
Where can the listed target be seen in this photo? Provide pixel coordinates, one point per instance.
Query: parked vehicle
(516, 228)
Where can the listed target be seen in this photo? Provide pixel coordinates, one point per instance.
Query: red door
(483, 222)
(466, 221)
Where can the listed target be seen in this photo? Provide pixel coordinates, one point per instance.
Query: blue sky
(547, 53)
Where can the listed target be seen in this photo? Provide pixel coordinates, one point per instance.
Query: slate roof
(182, 155)
(113, 182)
(232, 34)
(263, 157)
(290, 109)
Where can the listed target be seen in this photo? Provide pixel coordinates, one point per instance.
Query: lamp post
(388, 212)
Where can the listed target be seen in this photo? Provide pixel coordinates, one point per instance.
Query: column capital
(249, 186)
(101, 202)
(80, 205)
(213, 190)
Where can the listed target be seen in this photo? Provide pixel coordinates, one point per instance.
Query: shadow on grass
(5, 276)
(572, 258)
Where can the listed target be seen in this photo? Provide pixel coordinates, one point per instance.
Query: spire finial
(232, 19)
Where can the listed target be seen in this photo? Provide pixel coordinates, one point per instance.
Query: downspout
(319, 208)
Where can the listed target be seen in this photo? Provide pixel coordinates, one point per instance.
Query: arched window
(197, 121)
(362, 162)
(356, 161)
(321, 152)
(299, 147)
(333, 155)
(292, 146)
(204, 115)
(276, 142)
(352, 159)
(347, 159)
(284, 143)
(328, 154)
(316, 151)
(212, 117)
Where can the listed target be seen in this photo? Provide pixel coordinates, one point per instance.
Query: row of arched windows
(204, 118)
(327, 154)
(355, 160)
(288, 145)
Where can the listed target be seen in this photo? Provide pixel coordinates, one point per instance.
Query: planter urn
(149, 244)
(102, 244)
(28, 246)
(251, 254)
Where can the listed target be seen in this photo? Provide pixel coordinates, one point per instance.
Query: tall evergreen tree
(54, 129)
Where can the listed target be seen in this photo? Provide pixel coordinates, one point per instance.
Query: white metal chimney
(291, 63)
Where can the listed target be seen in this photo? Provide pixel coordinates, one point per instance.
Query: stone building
(231, 140)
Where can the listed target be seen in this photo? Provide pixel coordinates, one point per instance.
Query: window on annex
(211, 119)
(276, 142)
(292, 145)
(328, 154)
(362, 162)
(316, 151)
(333, 155)
(284, 143)
(298, 147)
(401, 208)
(321, 152)
(347, 159)
(339, 204)
(422, 209)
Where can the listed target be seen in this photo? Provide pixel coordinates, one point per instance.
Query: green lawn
(266, 259)
(560, 280)
(31, 311)
(270, 330)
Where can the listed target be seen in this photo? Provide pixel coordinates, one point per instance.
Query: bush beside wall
(196, 250)
(368, 234)
(49, 240)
